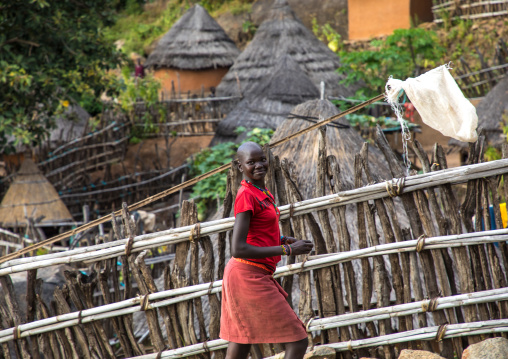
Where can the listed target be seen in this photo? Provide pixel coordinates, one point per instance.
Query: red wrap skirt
(254, 307)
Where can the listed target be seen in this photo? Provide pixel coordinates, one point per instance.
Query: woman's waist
(262, 264)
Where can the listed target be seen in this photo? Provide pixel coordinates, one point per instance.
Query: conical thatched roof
(283, 33)
(490, 113)
(491, 110)
(31, 190)
(343, 143)
(284, 86)
(195, 42)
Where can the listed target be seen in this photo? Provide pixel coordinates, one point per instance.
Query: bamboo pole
(160, 299)
(452, 330)
(371, 192)
(429, 333)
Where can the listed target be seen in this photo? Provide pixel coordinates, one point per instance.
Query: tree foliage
(51, 55)
(405, 53)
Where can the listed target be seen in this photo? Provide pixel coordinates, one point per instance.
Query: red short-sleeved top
(264, 224)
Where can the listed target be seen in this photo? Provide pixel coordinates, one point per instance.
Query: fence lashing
(429, 333)
(160, 299)
(370, 192)
(188, 183)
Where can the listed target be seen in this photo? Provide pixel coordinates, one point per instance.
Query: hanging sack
(439, 101)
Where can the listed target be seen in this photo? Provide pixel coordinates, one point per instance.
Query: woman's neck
(259, 183)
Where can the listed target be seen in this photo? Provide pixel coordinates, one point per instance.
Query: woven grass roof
(285, 86)
(343, 143)
(31, 192)
(491, 110)
(195, 42)
(283, 33)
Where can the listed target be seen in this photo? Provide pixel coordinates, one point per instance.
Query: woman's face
(253, 164)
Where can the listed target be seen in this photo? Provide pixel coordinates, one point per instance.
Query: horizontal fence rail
(173, 296)
(186, 184)
(148, 241)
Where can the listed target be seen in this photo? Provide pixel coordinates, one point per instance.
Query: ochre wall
(370, 18)
(189, 80)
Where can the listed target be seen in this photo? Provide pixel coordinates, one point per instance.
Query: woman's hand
(290, 240)
(300, 247)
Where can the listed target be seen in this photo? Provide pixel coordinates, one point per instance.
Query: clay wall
(186, 80)
(371, 18)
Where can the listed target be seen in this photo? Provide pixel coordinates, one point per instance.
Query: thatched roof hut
(195, 52)
(343, 143)
(283, 33)
(31, 195)
(491, 111)
(284, 86)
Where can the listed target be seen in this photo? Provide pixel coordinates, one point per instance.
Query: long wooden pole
(179, 187)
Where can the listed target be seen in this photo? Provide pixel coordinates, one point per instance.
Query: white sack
(439, 101)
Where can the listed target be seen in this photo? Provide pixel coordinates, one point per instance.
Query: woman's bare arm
(241, 249)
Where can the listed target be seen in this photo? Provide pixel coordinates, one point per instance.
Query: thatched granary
(283, 33)
(284, 86)
(194, 53)
(343, 143)
(491, 111)
(32, 195)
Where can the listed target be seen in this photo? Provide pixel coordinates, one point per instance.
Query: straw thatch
(343, 143)
(284, 86)
(490, 113)
(195, 42)
(492, 109)
(283, 33)
(31, 195)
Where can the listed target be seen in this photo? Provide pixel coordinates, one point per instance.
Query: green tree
(405, 53)
(51, 54)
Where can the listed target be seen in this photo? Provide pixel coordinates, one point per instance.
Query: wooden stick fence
(469, 9)
(437, 333)
(172, 236)
(160, 299)
(435, 253)
(186, 184)
(452, 330)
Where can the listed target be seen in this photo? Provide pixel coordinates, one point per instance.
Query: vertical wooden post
(417, 229)
(226, 210)
(179, 276)
(65, 308)
(362, 243)
(331, 246)
(13, 306)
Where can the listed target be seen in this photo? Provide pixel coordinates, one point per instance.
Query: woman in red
(254, 306)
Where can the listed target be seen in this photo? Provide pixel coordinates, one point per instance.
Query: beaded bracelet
(283, 239)
(284, 251)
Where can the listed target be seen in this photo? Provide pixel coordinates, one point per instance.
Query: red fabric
(264, 224)
(254, 308)
(139, 71)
